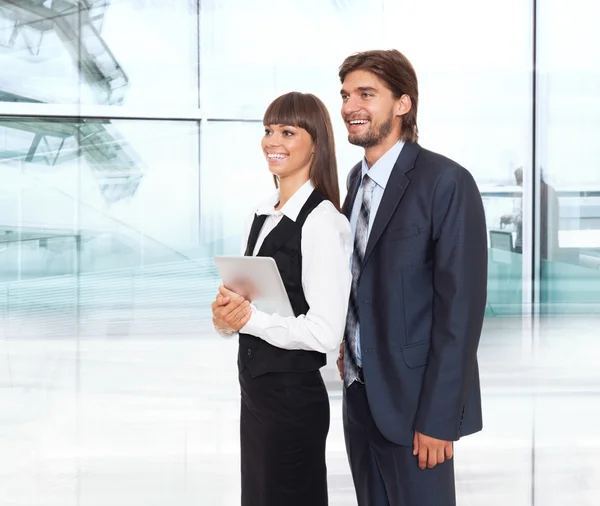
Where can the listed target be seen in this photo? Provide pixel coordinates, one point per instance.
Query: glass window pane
(38, 228)
(127, 189)
(156, 45)
(35, 243)
(568, 178)
(280, 47)
(138, 192)
(569, 157)
(122, 52)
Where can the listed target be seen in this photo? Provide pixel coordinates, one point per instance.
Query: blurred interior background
(130, 155)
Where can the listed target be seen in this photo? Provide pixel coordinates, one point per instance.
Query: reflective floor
(148, 420)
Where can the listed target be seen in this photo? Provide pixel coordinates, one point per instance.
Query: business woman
(284, 404)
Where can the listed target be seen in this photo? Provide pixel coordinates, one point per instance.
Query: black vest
(283, 243)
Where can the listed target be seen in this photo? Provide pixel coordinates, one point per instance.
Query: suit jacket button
(249, 352)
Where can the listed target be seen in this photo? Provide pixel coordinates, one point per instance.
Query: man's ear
(403, 105)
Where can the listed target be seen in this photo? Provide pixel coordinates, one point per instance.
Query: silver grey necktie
(360, 243)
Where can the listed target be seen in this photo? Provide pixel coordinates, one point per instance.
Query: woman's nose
(273, 140)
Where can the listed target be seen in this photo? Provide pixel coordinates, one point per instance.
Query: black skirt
(283, 428)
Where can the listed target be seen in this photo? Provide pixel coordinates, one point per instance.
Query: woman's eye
(287, 133)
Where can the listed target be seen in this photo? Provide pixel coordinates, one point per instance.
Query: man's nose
(350, 106)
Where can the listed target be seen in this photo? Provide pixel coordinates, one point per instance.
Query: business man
(411, 382)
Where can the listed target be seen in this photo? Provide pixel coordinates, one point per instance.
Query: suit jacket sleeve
(460, 289)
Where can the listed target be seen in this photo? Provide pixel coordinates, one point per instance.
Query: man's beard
(372, 138)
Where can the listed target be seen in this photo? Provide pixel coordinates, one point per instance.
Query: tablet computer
(258, 280)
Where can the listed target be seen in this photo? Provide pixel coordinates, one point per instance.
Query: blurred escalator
(78, 24)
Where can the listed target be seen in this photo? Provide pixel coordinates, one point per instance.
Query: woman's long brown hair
(306, 111)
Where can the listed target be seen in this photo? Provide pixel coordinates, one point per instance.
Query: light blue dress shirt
(380, 173)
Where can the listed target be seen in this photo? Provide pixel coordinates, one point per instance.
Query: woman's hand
(230, 311)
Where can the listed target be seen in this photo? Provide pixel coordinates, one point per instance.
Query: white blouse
(326, 277)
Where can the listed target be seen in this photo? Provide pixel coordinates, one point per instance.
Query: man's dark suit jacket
(421, 298)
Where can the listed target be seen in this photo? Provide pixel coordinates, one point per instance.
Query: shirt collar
(292, 207)
(382, 168)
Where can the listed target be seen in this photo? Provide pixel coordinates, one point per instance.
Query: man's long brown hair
(304, 110)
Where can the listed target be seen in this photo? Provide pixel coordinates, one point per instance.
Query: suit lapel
(394, 191)
(354, 178)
